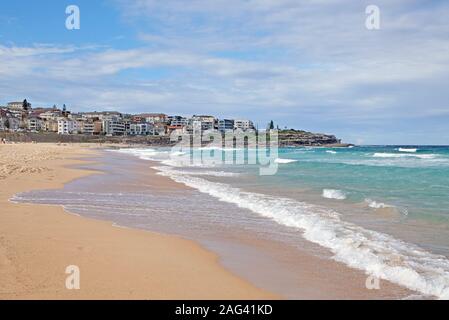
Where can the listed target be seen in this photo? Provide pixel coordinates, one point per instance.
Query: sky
(305, 64)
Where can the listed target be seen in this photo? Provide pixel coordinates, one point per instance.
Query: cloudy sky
(309, 64)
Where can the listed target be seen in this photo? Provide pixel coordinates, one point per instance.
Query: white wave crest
(377, 205)
(334, 194)
(403, 155)
(284, 161)
(412, 150)
(200, 173)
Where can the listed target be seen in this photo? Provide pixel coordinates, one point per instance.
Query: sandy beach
(38, 242)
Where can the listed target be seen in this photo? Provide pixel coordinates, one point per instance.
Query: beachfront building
(140, 129)
(35, 124)
(86, 127)
(103, 115)
(160, 129)
(226, 125)
(114, 126)
(17, 105)
(243, 125)
(178, 121)
(50, 114)
(50, 125)
(67, 126)
(152, 117)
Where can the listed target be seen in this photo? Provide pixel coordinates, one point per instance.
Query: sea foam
(284, 161)
(334, 194)
(412, 150)
(403, 155)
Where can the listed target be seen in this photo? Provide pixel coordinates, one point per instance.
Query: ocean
(383, 210)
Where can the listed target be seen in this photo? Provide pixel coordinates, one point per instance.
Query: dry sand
(38, 242)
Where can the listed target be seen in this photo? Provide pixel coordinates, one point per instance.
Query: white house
(114, 126)
(66, 126)
(35, 124)
(243, 125)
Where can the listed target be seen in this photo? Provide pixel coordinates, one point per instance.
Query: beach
(140, 226)
(38, 242)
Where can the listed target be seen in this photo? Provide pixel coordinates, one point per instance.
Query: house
(178, 121)
(160, 129)
(140, 129)
(18, 106)
(50, 114)
(86, 127)
(225, 125)
(104, 115)
(35, 123)
(243, 125)
(153, 117)
(8, 121)
(50, 125)
(180, 129)
(114, 126)
(67, 126)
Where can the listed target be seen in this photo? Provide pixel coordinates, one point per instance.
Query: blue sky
(305, 64)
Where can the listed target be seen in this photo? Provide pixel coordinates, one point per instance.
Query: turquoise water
(417, 183)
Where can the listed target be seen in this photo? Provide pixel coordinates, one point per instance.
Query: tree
(271, 127)
(7, 124)
(25, 105)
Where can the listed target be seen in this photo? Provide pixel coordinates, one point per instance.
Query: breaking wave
(334, 194)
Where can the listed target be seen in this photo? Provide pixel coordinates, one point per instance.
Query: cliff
(292, 138)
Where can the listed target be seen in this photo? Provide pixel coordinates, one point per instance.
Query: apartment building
(67, 126)
(35, 124)
(225, 125)
(114, 127)
(140, 129)
(243, 125)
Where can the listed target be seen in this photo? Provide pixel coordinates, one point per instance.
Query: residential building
(18, 106)
(243, 125)
(225, 125)
(35, 124)
(51, 114)
(140, 129)
(67, 126)
(50, 125)
(154, 117)
(114, 126)
(8, 121)
(86, 127)
(160, 129)
(100, 115)
(178, 121)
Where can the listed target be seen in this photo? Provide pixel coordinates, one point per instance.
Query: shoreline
(286, 271)
(39, 242)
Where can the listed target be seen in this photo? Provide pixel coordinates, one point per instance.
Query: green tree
(25, 105)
